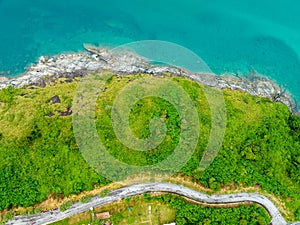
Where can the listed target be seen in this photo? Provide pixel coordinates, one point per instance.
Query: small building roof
(102, 216)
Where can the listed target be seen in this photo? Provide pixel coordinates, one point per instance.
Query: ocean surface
(230, 36)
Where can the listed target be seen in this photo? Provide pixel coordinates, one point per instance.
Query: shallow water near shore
(230, 36)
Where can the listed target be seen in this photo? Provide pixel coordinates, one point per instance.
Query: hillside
(40, 157)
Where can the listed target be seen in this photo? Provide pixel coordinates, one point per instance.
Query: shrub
(8, 216)
(66, 205)
(86, 199)
(104, 193)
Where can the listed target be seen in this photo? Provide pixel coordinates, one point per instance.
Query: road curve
(137, 189)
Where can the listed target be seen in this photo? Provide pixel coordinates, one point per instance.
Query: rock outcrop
(73, 65)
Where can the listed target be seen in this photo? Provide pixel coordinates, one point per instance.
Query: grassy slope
(120, 214)
(39, 155)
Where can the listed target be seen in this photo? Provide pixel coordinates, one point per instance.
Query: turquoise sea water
(230, 35)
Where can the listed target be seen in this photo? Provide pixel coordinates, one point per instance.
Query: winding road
(137, 189)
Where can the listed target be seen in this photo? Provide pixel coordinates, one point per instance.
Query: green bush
(104, 193)
(8, 216)
(66, 205)
(37, 210)
(86, 199)
(7, 94)
(146, 197)
(30, 212)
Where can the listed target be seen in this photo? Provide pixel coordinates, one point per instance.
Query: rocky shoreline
(74, 65)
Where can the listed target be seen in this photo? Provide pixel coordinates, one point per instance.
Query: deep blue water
(230, 35)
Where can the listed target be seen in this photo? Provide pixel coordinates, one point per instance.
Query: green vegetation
(104, 193)
(66, 205)
(188, 213)
(169, 208)
(86, 199)
(6, 217)
(39, 155)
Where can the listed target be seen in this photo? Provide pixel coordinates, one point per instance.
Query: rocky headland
(94, 59)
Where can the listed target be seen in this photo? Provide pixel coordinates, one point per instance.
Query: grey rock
(74, 65)
(68, 112)
(55, 99)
